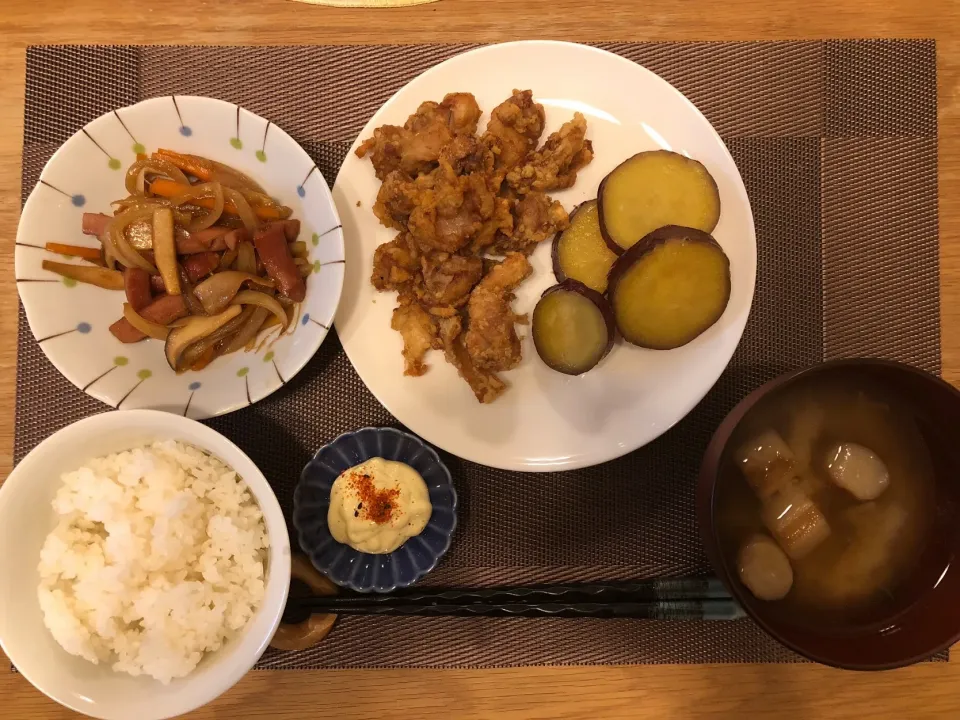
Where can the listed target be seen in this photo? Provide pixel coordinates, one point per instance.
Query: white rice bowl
(157, 559)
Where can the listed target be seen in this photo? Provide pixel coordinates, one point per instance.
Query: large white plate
(546, 420)
(71, 321)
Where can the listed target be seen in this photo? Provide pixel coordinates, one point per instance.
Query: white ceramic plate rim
(588, 458)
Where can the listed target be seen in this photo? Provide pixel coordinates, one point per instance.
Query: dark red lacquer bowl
(931, 622)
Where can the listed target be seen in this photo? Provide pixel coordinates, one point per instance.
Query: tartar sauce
(376, 505)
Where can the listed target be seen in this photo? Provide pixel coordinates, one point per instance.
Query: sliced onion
(198, 349)
(234, 178)
(216, 292)
(249, 330)
(186, 290)
(109, 251)
(150, 329)
(246, 258)
(243, 208)
(226, 260)
(136, 202)
(140, 235)
(194, 331)
(134, 180)
(125, 252)
(202, 190)
(293, 317)
(252, 297)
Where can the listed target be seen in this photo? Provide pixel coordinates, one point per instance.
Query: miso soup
(852, 541)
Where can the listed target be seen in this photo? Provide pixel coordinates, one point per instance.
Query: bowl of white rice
(145, 565)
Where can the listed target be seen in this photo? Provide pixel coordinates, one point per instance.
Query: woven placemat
(837, 145)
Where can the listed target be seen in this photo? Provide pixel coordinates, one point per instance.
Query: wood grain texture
(714, 691)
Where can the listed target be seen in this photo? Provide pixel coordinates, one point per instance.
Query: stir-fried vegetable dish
(207, 260)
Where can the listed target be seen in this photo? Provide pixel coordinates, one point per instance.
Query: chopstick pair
(658, 599)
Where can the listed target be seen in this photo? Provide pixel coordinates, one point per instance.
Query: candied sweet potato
(580, 253)
(654, 189)
(573, 327)
(669, 287)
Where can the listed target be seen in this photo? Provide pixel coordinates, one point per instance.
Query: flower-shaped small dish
(350, 568)
(71, 320)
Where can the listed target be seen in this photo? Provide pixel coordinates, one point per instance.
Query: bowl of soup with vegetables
(829, 504)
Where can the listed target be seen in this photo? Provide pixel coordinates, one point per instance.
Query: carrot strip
(87, 253)
(169, 189)
(186, 163)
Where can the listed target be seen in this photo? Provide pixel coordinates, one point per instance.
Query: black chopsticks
(659, 599)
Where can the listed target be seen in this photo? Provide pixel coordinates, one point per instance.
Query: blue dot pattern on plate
(361, 571)
(78, 200)
(305, 319)
(83, 328)
(194, 386)
(185, 131)
(300, 191)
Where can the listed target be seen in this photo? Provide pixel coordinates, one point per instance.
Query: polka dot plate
(71, 320)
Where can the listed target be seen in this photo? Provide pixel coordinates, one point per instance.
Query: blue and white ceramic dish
(71, 320)
(341, 563)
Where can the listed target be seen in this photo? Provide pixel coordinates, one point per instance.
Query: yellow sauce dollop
(377, 505)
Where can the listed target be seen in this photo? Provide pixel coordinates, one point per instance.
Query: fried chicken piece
(429, 131)
(465, 154)
(450, 209)
(415, 148)
(419, 332)
(395, 264)
(554, 166)
(501, 222)
(486, 386)
(491, 339)
(535, 218)
(385, 149)
(448, 279)
(463, 113)
(514, 129)
(396, 199)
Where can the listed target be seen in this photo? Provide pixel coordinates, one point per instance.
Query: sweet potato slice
(580, 253)
(669, 287)
(572, 327)
(654, 189)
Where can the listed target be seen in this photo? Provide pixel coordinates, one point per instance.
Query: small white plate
(71, 320)
(546, 420)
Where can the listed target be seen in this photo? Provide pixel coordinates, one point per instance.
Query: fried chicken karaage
(491, 338)
(460, 201)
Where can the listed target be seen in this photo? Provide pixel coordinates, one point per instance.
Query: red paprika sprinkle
(374, 504)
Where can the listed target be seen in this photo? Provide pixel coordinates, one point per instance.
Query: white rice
(158, 558)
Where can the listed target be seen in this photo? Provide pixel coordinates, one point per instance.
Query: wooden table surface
(719, 691)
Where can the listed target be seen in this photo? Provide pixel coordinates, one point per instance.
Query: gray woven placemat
(837, 145)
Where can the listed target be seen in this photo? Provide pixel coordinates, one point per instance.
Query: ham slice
(198, 266)
(136, 284)
(272, 247)
(291, 228)
(163, 310)
(95, 223)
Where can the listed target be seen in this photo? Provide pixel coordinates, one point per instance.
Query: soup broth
(860, 572)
